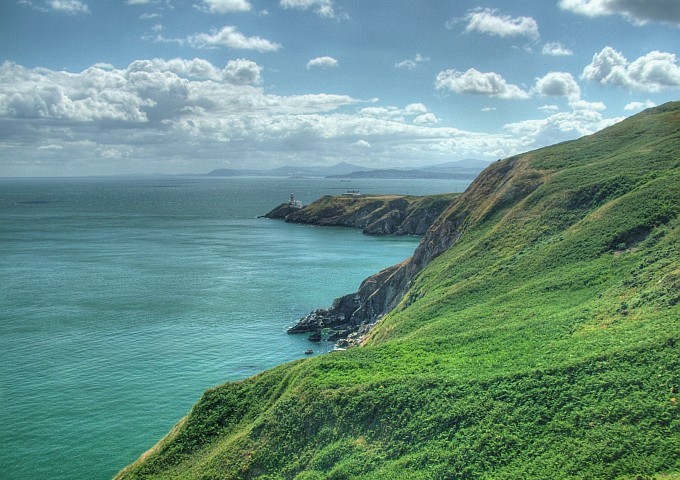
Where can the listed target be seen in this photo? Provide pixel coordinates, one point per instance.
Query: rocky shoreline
(373, 214)
(351, 317)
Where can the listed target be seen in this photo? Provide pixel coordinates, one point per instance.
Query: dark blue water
(122, 299)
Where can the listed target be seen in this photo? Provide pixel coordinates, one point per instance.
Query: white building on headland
(294, 203)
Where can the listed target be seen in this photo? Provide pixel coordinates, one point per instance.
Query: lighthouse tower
(294, 203)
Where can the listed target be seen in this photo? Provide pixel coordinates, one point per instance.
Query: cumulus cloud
(322, 62)
(229, 36)
(560, 126)
(479, 83)
(146, 91)
(492, 22)
(558, 84)
(411, 63)
(397, 114)
(226, 6)
(556, 49)
(71, 7)
(426, 119)
(242, 72)
(636, 11)
(180, 115)
(639, 105)
(652, 72)
(323, 8)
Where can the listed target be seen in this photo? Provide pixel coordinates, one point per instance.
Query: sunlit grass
(545, 344)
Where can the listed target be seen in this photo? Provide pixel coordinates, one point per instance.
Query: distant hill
(464, 170)
(533, 334)
(289, 171)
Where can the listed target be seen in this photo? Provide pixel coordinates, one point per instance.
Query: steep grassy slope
(539, 339)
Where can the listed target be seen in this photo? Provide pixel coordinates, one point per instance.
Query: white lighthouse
(294, 203)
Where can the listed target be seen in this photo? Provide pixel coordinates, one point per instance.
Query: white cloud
(637, 11)
(104, 66)
(549, 108)
(579, 104)
(558, 84)
(181, 115)
(559, 127)
(639, 105)
(415, 109)
(652, 72)
(395, 114)
(226, 6)
(426, 119)
(229, 36)
(489, 109)
(322, 62)
(492, 22)
(411, 63)
(242, 72)
(556, 49)
(323, 8)
(71, 7)
(479, 83)
(137, 2)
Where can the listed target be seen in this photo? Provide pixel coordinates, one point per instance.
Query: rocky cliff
(351, 317)
(373, 214)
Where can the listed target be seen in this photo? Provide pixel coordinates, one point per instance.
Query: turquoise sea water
(122, 299)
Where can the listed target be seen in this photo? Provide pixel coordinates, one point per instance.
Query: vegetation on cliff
(374, 214)
(536, 335)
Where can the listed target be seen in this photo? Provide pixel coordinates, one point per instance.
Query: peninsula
(373, 214)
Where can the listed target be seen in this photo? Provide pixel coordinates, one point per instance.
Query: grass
(545, 343)
(376, 214)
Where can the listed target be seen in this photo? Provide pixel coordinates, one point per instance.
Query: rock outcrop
(351, 317)
(374, 214)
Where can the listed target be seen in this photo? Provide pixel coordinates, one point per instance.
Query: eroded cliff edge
(373, 214)
(350, 318)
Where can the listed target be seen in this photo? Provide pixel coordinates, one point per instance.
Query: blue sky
(175, 86)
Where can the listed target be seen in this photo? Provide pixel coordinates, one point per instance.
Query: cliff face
(374, 214)
(351, 317)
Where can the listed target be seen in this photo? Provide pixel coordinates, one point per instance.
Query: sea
(123, 298)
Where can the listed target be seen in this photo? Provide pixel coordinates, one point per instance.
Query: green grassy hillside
(374, 214)
(540, 340)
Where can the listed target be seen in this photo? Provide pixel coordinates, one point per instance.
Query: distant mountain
(289, 171)
(462, 170)
(414, 174)
(467, 163)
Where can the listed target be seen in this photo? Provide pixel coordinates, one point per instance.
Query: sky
(187, 86)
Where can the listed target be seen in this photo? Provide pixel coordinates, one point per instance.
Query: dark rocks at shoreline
(373, 214)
